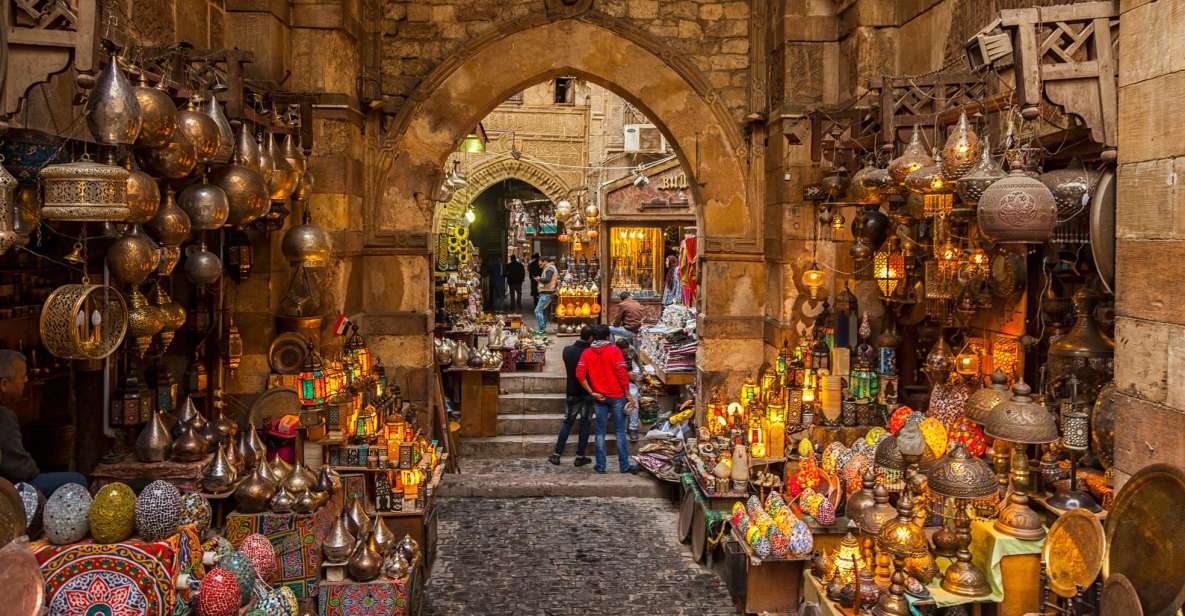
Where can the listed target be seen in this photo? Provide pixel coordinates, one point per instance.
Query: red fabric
(604, 367)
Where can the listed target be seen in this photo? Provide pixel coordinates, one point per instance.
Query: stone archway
(728, 170)
(490, 172)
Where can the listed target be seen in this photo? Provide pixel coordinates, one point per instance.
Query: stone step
(532, 383)
(577, 484)
(535, 446)
(537, 423)
(531, 404)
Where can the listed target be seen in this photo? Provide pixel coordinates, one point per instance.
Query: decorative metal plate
(1119, 597)
(1102, 229)
(12, 513)
(287, 353)
(1146, 539)
(1073, 552)
(20, 577)
(276, 402)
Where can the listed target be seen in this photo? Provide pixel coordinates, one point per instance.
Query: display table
(704, 518)
(94, 578)
(296, 538)
(476, 393)
(381, 596)
(761, 586)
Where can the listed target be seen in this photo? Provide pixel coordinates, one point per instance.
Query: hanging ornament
(245, 189)
(971, 185)
(201, 130)
(171, 228)
(143, 195)
(961, 150)
(226, 137)
(172, 314)
(144, 321)
(1017, 209)
(913, 158)
(158, 114)
(112, 111)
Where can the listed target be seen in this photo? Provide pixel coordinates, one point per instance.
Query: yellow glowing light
(967, 364)
(808, 395)
(812, 279)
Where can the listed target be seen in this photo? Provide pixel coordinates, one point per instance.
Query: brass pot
(201, 129)
(132, 257)
(144, 321)
(171, 224)
(365, 563)
(339, 542)
(153, 443)
(220, 474)
(254, 494)
(409, 549)
(396, 567)
(202, 266)
(230, 444)
(158, 115)
(306, 244)
(328, 481)
(283, 501)
(247, 454)
(283, 179)
(358, 518)
(1017, 208)
(112, 111)
(206, 204)
(226, 137)
(85, 191)
(306, 502)
(384, 539)
(173, 315)
(188, 446)
(300, 478)
(143, 195)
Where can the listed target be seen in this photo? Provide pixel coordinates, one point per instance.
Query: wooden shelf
(674, 378)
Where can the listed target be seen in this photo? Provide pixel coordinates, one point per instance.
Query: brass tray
(1102, 229)
(1073, 552)
(1146, 539)
(12, 513)
(1119, 598)
(20, 577)
(287, 353)
(273, 403)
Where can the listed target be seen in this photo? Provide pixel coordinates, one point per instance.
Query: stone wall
(1150, 226)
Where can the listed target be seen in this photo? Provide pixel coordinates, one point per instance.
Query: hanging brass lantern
(245, 189)
(85, 191)
(961, 150)
(26, 213)
(174, 160)
(132, 257)
(8, 184)
(201, 129)
(913, 158)
(170, 227)
(206, 205)
(283, 178)
(172, 314)
(143, 195)
(83, 321)
(263, 160)
(232, 345)
(144, 321)
(971, 185)
(293, 153)
(226, 137)
(1017, 208)
(158, 114)
(112, 111)
(202, 266)
(306, 244)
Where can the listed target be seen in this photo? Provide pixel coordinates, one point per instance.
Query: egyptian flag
(341, 325)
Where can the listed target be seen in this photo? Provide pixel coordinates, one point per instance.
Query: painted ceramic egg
(737, 516)
(934, 432)
(34, 503)
(874, 435)
(113, 513)
(743, 525)
(786, 521)
(825, 514)
(66, 514)
(753, 505)
(801, 541)
(218, 594)
(897, 419)
(763, 521)
(810, 501)
(240, 566)
(751, 535)
(774, 503)
(779, 543)
(158, 508)
(805, 448)
(762, 547)
(831, 455)
(262, 555)
(195, 510)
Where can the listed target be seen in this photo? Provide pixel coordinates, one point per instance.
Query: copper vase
(339, 542)
(365, 562)
(254, 494)
(153, 443)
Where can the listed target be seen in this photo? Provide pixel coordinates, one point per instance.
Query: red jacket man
(601, 372)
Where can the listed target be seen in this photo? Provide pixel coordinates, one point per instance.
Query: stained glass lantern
(335, 378)
(888, 268)
(967, 363)
(785, 358)
(749, 391)
(356, 347)
(820, 355)
(312, 379)
(196, 376)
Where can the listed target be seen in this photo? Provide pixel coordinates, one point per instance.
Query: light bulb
(470, 215)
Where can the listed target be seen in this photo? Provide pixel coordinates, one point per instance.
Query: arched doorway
(727, 174)
(489, 173)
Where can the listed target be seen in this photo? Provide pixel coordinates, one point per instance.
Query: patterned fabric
(188, 547)
(120, 579)
(351, 599)
(297, 542)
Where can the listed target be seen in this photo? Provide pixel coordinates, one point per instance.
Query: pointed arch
(490, 172)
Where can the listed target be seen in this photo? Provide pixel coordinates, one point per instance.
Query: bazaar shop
(172, 330)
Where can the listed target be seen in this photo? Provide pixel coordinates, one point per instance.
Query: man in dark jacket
(15, 462)
(601, 372)
(579, 403)
(515, 275)
(534, 269)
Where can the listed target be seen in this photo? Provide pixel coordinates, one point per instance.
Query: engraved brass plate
(1146, 538)
(1073, 552)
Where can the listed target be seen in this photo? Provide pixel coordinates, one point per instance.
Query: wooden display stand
(476, 391)
(757, 586)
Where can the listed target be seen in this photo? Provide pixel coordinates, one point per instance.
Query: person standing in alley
(549, 281)
(534, 269)
(602, 373)
(515, 275)
(578, 403)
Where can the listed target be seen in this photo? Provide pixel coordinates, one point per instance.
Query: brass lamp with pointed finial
(962, 479)
(1021, 420)
(901, 539)
(870, 522)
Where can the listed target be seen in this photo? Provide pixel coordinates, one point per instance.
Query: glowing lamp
(967, 363)
(736, 414)
(808, 395)
(934, 433)
(757, 450)
(356, 348)
(812, 279)
(769, 383)
(312, 379)
(473, 144)
(749, 391)
(847, 559)
(564, 238)
(888, 268)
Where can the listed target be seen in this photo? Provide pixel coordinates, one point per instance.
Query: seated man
(15, 463)
(629, 318)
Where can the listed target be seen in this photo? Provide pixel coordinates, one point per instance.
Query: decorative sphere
(195, 510)
(66, 514)
(158, 509)
(219, 594)
(240, 567)
(113, 513)
(259, 550)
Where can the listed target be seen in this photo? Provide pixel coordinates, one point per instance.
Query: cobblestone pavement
(566, 556)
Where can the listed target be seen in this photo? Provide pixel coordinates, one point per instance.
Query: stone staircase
(514, 464)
